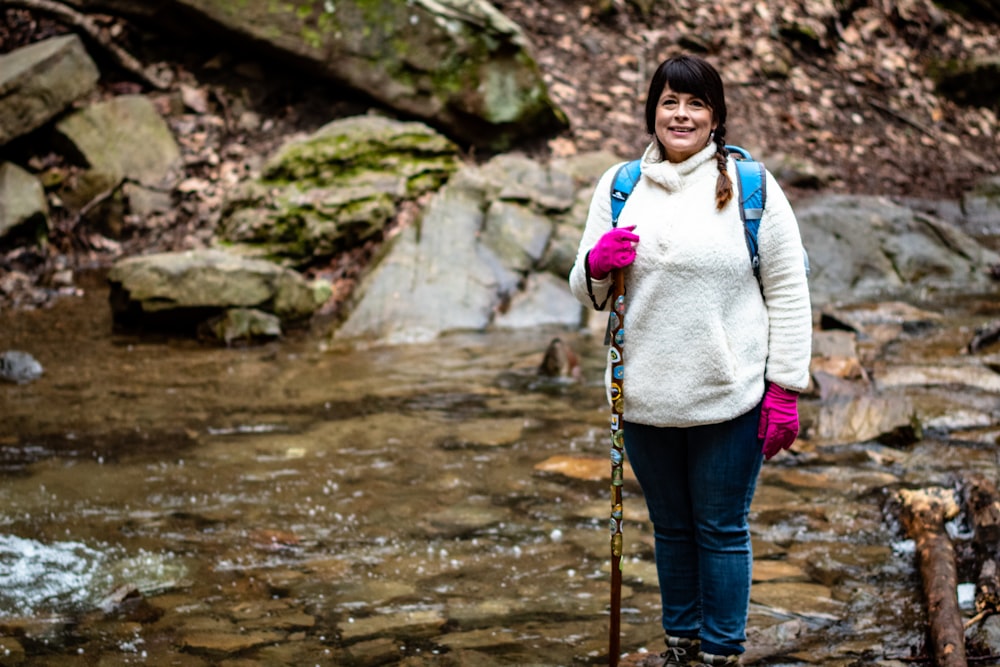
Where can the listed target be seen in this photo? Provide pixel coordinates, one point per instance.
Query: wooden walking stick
(616, 328)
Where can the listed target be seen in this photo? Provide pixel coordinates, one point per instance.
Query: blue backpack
(752, 192)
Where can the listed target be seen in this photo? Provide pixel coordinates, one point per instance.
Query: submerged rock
(19, 367)
(243, 324)
(560, 361)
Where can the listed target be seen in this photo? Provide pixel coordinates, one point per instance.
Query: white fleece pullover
(699, 338)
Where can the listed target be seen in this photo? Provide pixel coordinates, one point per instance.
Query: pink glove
(612, 251)
(779, 420)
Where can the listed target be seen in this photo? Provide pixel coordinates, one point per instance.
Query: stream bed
(300, 502)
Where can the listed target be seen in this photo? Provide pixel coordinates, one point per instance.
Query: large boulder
(459, 65)
(182, 290)
(864, 247)
(38, 81)
(473, 260)
(337, 187)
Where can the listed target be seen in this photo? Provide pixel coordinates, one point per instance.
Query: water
(308, 503)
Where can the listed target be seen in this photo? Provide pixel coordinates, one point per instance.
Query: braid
(723, 185)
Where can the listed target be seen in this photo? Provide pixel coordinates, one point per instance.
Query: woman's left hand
(779, 420)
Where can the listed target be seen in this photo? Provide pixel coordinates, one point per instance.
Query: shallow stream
(299, 503)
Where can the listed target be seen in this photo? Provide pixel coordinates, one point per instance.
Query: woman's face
(683, 124)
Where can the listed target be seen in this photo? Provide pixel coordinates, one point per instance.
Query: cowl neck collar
(672, 176)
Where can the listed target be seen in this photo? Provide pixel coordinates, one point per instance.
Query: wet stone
(298, 650)
(465, 518)
(285, 622)
(381, 651)
(252, 609)
(476, 639)
(20, 367)
(227, 643)
(830, 384)
(775, 570)
(833, 563)
(159, 655)
(976, 377)
(987, 633)
(765, 548)
(806, 600)
(847, 483)
(768, 634)
(641, 572)
(410, 623)
(11, 652)
(835, 343)
(479, 612)
(176, 602)
(770, 496)
(866, 418)
(585, 468)
(484, 433)
(989, 436)
(285, 580)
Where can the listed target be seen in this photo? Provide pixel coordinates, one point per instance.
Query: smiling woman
(699, 417)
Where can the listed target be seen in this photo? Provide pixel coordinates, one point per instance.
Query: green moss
(312, 38)
(374, 12)
(327, 23)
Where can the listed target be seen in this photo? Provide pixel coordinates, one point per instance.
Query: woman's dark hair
(694, 76)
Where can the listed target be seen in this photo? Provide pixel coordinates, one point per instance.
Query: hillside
(847, 89)
(835, 95)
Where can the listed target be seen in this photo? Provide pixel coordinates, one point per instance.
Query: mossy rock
(338, 187)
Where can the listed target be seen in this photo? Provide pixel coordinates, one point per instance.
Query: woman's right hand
(614, 250)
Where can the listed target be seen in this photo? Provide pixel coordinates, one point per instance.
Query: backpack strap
(751, 179)
(621, 187)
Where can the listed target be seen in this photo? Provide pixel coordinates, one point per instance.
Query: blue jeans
(698, 483)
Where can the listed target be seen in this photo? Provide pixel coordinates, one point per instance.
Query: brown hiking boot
(680, 651)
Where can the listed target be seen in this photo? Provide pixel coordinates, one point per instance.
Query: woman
(714, 360)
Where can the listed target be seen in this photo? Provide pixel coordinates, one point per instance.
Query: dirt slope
(849, 90)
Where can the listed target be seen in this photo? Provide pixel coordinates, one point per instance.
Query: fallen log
(923, 514)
